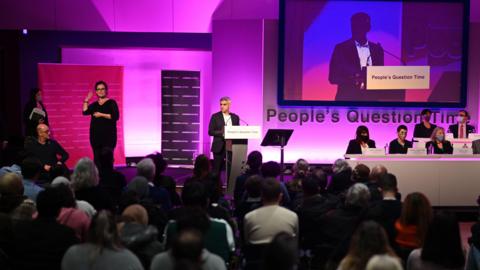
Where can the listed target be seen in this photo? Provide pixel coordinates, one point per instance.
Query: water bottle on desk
(386, 149)
(430, 149)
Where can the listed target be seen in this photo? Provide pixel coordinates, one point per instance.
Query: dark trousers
(98, 152)
(219, 163)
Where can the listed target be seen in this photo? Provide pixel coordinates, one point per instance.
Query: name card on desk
(474, 136)
(462, 151)
(373, 152)
(449, 136)
(417, 151)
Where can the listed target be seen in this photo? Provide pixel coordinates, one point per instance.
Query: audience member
(86, 207)
(368, 240)
(188, 250)
(103, 249)
(12, 155)
(110, 180)
(251, 200)
(262, 224)
(272, 169)
(157, 194)
(294, 187)
(373, 184)
(413, 223)
(254, 163)
(360, 174)
(281, 253)
(341, 178)
(47, 151)
(384, 262)
(442, 248)
(41, 243)
(11, 192)
(202, 173)
(137, 235)
(31, 169)
(69, 215)
(85, 183)
(164, 181)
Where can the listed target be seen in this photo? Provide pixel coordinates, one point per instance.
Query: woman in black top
(425, 128)
(362, 141)
(438, 142)
(103, 124)
(35, 102)
(400, 145)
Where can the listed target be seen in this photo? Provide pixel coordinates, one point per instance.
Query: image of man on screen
(348, 65)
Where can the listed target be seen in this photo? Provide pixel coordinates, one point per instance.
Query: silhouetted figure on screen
(348, 65)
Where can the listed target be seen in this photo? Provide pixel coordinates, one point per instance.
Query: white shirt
(364, 54)
(227, 118)
(464, 127)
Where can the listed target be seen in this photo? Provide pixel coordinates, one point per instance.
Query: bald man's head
(43, 132)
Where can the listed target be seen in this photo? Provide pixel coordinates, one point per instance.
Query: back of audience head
(187, 248)
(271, 191)
(281, 253)
(146, 168)
(416, 210)
(310, 186)
(253, 186)
(201, 167)
(360, 173)
(103, 231)
(193, 219)
(65, 193)
(368, 240)
(357, 195)
(160, 163)
(11, 192)
(194, 194)
(300, 168)
(384, 262)
(340, 165)
(254, 161)
(377, 172)
(106, 160)
(271, 169)
(139, 185)
(85, 174)
(388, 183)
(443, 244)
(31, 168)
(49, 203)
(136, 214)
(321, 177)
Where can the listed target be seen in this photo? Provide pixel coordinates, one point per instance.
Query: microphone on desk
(243, 121)
(393, 55)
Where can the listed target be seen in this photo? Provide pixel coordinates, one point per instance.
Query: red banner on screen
(64, 89)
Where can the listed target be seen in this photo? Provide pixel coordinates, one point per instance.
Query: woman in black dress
(32, 120)
(400, 145)
(438, 144)
(361, 141)
(103, 125)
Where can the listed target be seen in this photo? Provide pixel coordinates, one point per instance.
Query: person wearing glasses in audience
(438, 144)
(103, 124)
(361, 142)
(425, 128)
(400, 145)
(461, 129)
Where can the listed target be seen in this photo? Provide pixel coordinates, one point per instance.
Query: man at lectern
(216, 128)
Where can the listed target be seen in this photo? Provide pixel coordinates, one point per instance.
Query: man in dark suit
(216, 128)
(348, 65)
(461, 129)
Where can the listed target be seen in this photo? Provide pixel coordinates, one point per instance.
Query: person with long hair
(103, 124)
(361, 142)
(294, 187)
(438, 143)
(368, 240)
(103, 249)
(34, 112)
(413, 223)
(442, 248)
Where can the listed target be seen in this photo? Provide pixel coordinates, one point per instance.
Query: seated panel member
(361, 141)
(438, 142)
(425, 128)
(461, 129)
(400, 145)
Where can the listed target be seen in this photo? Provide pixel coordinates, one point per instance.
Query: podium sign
(378, 152)
(398, 77)
(242, 132)
(416, 151)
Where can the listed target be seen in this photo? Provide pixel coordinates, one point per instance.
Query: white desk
(445, 179)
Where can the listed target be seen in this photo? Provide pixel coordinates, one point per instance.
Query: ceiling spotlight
(25, 31)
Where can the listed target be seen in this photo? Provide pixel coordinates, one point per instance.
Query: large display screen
(373, 53)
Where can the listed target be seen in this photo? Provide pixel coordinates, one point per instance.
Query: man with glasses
(461, 129)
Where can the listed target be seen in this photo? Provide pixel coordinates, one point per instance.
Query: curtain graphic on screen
(180, 116)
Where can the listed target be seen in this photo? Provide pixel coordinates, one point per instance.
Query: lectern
(239, 136)
(278, 137)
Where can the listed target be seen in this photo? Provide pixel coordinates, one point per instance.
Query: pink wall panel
(64, 89)
(144, 16)
(193, 16)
